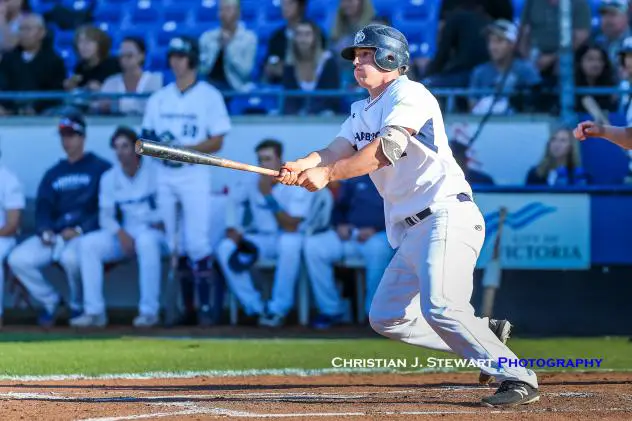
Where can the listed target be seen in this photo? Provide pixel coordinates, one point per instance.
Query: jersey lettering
(366, 136)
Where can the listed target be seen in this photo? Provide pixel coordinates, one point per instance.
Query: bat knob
(139, 147)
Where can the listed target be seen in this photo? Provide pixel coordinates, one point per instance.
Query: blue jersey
(68, 195)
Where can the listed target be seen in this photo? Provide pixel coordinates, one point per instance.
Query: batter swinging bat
(175, 153)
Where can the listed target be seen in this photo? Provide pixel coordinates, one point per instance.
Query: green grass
(37, 354)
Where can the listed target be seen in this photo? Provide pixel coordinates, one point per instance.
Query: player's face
(124, 150)
(72, 143)
(366, 72)
(179, 65)
(268, 158)
(499, 48)
(560, 145)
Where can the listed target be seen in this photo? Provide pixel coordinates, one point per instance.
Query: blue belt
(417, 218)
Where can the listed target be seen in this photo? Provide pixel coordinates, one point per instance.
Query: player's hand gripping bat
(180, 154)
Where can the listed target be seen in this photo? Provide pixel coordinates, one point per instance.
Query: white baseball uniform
(135, 200)
(186, 119)
(272, 242)
(11, 198)
(424, 297)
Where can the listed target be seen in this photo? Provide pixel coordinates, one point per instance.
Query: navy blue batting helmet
(391, 46)
(244, 256)
(185, 46)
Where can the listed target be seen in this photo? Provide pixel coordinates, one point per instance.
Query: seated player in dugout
(130, 227)
(67, 207)
(277, 230)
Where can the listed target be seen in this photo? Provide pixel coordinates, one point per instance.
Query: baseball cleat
(502, 330)
(512, 393)
(89, 320)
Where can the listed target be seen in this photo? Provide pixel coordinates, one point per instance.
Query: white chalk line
(297, 372)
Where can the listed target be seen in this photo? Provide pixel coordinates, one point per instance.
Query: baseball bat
(593, 108)
(180, 154)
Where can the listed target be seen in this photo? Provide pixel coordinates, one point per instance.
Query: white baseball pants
(322, 251)
(192, 188)
(6, 245)
(26, 261)
(101, 247)
(286, 248)
(424, 296)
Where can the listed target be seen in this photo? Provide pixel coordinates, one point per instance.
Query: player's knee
(290, 242)
(313, 248)
(18, 258)
(225, 249)
(69, 260)
(435, 315)
(147, 243)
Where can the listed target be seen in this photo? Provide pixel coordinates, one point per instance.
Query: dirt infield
(576, 396)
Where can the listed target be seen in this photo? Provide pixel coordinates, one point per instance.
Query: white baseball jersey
(11, 193)
(427, 172)
(133, 198)
(186, 118)
(295, 202)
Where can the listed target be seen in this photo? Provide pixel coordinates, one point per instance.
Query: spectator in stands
(132, 79)
(12, 203)
(351, 16)
(561, 164)
(11, 14)
(540, 41)
(95, 63)
(311, 69)
(67, 207)
(501, 41)
(473, 176)
(129, 227)
(31, 66)
(614, 26)
(461, 48)
(227, 54)
(276, 231)
(593, 69)
(359, 233)
(280, 43)
(625, 63)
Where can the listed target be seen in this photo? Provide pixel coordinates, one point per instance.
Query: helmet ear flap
(387, 60)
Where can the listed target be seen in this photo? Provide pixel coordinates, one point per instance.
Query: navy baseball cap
(617, 5)
(72, 124)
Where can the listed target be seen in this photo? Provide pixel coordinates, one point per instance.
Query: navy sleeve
(45, 205)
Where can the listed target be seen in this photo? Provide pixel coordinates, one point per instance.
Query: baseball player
(129, 227)
(277, 215)
(621, 136)
(12, 203)
(188, 113)
(67, 207)
(397, 135)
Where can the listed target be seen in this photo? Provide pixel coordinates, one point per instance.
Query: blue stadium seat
(272, 12)
(253, 104)
(416, 10)
(385, 8)
(108, 13)
(205, 14)
(64, 39)
(265, 31)
(157, 61)
(176, 13)
(145, 15)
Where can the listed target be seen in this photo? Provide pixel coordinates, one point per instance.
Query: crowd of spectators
(478, 44)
